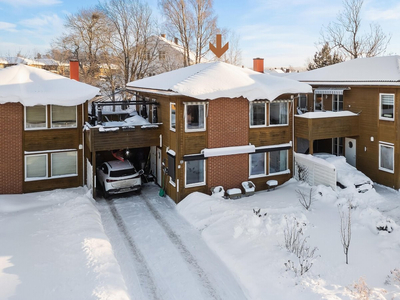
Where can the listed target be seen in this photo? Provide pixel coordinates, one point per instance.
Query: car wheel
(106, 195)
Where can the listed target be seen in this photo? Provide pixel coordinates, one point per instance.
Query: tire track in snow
(186, 254)
(144, 273)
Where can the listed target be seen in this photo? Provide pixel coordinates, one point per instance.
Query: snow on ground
(253, 246)
(53, 246)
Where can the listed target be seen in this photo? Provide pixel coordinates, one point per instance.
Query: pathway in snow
(160, 254)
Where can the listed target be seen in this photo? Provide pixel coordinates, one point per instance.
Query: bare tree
(234, 54)
(345, 230)
(346, 36)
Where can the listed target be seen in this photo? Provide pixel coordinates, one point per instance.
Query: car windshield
(122, 173)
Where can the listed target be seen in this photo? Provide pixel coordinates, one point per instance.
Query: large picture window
(35, 117)
(195, 173)
(257, 164)
(386, 109)
(195, 117)
(278, 113)
(278, 161)
(386, 158)
(64, 163)
(63, 116)
(35, 167)
(257, 114)
(172, 119)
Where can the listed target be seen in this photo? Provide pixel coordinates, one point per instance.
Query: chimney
(74, 69)
(163, 35)
(258, 64)
(176, 40)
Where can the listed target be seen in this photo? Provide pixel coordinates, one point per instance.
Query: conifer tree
(324, 58)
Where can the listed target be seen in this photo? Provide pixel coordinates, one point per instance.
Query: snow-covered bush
(305, 199)
(393, 278)
(258, 213)
(385, 225)
(360, 290)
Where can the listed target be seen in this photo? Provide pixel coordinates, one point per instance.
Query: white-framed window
(302, 102)
(36, 117)
(278, 113)
(64, 164)
(195, 117)
(258, 111)
(63, 116)
(195, 173)
(386, 107)
(278, 162)
(386, 158)
(337, 146)
(337, 102)
(35, 167)
(257, 164)
(172, 116)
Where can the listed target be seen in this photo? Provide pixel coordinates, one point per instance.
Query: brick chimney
(258, 64)
(176, 40)
(163, 35)
(74, 69)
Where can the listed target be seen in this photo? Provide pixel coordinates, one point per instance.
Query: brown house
(41, 127)
(218, 125)
(353, 111)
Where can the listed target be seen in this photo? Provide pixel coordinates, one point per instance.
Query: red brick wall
(11, 157)
(228, 123)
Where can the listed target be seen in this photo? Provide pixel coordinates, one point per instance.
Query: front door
(159, 167)
(350, 151)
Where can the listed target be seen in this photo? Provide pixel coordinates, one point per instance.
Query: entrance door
(350, 151)
(159, 166)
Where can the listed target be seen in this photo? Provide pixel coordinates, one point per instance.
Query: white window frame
(265, 114)
(287, 171)
(63, 127)
(65, 175)
(269, 115)
(265, 166)
(204, 118)
(46, 168)
(299, 106)
(380, 107)
(170, 117)
(198, 183)
(36, 128)
(388, 145)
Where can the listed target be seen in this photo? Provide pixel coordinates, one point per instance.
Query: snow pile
(221, 80)
(249, 236)
(326, 114)
(53, 246)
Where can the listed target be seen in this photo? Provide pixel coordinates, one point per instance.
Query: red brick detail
(11, 157)
(228, 125)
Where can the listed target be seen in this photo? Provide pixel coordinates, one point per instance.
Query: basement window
(386, 108)
(386, 158)
(195, 173)
(278, 162)
(195, 119)
(257, 164)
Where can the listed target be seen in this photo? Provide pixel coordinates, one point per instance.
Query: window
(337, 146)
(278, 161)
(302, 102)
(35, 167)
(278, 114)
(195, 173)
(161, 55)
(257, 114)
(386, 158)
(337, 104)
(318, 102)
(171, 167)
(257, 164)
(35, 117)
(386, 109)
(195, 117)
(172, 113)
(64, 163)
(63, 116)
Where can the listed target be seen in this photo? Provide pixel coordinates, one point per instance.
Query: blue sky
(283, 32)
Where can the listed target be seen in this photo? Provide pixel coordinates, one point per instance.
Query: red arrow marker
(219, 51)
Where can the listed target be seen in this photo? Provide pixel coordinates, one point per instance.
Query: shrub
(305, 199)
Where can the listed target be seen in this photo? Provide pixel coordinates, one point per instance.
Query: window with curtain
(386, 158)
(195, 117)
(278, 113)
(63, 116)
(257, 114)
(195, 172)
(35, 117)
(257, 164)
(64, 163)
(386, 107)
(278, 161)
(35, 166)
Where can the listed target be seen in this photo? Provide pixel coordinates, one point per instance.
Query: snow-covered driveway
(160, 254)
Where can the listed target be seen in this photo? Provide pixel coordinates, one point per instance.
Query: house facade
(43, 115)
(353, 111)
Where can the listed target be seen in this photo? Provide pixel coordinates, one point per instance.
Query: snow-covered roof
(327, 114)
(48, 61)
(32, 86)
(208, 81)
(384, 70)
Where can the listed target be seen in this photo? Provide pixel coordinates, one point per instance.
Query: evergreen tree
(324, 58)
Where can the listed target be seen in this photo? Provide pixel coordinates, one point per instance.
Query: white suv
(117, 177)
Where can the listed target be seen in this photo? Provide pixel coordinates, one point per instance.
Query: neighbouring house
(353, 111)
(41, 129)
(213, 124)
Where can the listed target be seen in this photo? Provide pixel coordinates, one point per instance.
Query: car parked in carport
(117, 177)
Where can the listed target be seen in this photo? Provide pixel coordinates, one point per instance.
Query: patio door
(350, 151)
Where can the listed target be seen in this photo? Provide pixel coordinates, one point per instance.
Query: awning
(192, 157)
(277, 147)
(331, 90)
(228, 150)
